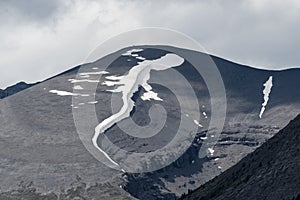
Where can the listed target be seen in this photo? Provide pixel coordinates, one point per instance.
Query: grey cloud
(261, 33)
(36, 10)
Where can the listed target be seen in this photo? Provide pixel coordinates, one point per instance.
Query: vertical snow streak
(268, 86)
(128, 85)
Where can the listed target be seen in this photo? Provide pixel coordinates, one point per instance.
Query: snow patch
(267, 90)
(141, 58)
(78, 87)
(92, 102)
(109, 83)
(130, 52)
(83, 80)
(63, 93)
(93, 73)
(150, 95)
(211, 151)
(114, 78)
(127, 85)
(84, 76)
(197, 123)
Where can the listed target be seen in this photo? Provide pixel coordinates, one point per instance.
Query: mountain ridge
(13, 89)
(20, 86)
(46, 122)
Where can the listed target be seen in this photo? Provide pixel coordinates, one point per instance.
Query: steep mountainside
(41, 151)
(271, 172)
(243, 132)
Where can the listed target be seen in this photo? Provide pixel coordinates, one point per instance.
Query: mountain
(14, 89)
(46, 132)
(243, 131)
(270, 172)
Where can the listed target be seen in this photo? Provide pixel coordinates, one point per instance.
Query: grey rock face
(270, 172)
(39, 143)
(243, 132)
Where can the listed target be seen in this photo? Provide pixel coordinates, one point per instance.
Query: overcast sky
(39, 39)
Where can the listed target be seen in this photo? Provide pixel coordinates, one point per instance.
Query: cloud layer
(41, 39)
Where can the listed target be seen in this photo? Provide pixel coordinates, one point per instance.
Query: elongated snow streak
(93, 73)
(113, 78)
(128, 85)
(93, 102)
(109, 83)
(83, 80)
(197, 123)
(268, 86)
(65, 93)
(141, 58)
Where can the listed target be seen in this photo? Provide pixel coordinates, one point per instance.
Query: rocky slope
(243, 131)
(78, 190)
(271, 172)
(41, 149)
